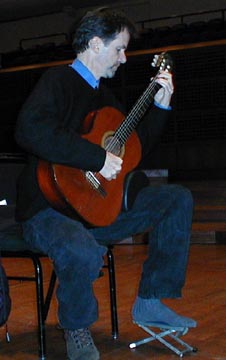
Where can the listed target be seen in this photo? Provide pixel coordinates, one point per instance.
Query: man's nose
(123, 58)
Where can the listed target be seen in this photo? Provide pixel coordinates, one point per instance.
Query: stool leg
(113, 300)
(49, 295)
(40, 307)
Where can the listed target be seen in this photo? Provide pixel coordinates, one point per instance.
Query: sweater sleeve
(44, 125)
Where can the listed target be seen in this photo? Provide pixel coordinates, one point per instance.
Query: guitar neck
(136, 113)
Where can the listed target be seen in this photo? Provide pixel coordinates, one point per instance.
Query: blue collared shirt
(85, 73)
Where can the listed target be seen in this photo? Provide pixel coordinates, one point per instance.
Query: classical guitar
(87, 194)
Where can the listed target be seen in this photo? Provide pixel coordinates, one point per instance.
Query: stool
(12, 245)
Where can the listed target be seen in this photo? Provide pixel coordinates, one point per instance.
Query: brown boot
(80, 345)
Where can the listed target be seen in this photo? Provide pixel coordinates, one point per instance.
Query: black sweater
(49, 124)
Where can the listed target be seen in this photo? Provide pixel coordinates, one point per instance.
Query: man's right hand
(112, 166)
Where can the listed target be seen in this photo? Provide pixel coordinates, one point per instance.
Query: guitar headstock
(163, 61)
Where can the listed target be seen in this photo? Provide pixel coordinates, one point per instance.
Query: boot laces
(80, 337)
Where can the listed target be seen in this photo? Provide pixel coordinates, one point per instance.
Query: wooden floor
(204, 299)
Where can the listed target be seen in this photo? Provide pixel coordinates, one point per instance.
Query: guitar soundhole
(111, 143)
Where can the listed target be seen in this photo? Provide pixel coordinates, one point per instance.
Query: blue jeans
(77, 252)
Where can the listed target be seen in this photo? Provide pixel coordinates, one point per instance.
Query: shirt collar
(85, 73)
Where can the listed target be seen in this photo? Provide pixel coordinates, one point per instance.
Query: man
(49, 128)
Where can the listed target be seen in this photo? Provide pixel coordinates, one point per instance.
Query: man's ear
(95, 44)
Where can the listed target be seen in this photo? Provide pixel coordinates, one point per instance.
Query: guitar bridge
(95, 183)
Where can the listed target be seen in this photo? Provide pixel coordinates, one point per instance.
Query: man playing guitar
(51, 130)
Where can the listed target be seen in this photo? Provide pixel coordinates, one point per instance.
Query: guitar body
(68, 189)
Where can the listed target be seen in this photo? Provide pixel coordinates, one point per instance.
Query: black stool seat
(11, 239)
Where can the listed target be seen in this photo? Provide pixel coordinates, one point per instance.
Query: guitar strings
(130, 122)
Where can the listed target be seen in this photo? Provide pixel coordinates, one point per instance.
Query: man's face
(112, 54)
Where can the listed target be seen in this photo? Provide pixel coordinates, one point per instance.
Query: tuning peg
(155, 61)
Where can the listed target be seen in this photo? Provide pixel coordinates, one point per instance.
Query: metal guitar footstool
(168, 336)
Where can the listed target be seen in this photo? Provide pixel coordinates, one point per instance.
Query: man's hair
(104, 23)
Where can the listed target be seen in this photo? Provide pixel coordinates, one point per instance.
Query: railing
(181, 18)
